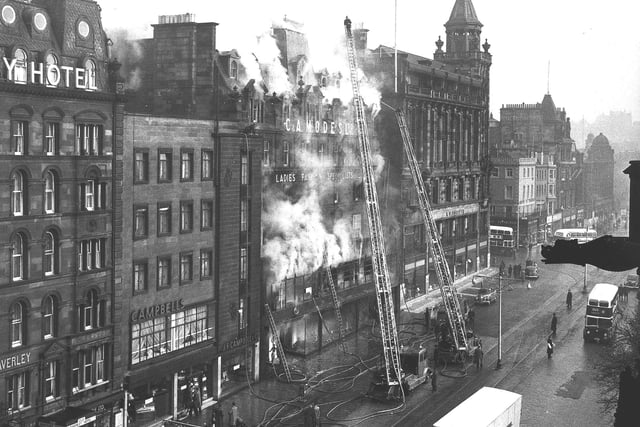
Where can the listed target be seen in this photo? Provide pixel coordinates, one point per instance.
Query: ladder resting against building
(384, 296)
(336, 304)
(449, 297)
(276, 339)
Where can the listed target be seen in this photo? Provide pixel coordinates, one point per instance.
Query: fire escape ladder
(276, 338)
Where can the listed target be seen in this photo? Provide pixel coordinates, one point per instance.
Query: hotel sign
(318, 126)
(49, 74)
(157, 310)
(15, 361)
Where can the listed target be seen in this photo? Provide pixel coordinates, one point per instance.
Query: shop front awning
(68, 417)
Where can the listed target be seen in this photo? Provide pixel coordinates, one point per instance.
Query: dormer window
(233, 70)
(83, 29)
(53, 71)
(20, 69)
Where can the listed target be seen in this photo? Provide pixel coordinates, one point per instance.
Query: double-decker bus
(583, 235)
(602, 309)
(501, 239)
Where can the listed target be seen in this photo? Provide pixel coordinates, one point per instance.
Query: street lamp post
(499, 363)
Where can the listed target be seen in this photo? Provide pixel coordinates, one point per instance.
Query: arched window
(19, 257)
(90, 68)
(53, 71)
(50, 253)
(17, 193)
(49, 317)
(233, 73)
(50, 192)
(18, 323)
(20, 69)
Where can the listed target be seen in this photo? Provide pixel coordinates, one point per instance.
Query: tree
(619, 372)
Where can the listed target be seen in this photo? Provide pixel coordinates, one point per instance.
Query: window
(207, 165)
(51, 138)
(89, 367)
(266, 154)
(50, 192)
(50, 259)
(206, 258)
(356, 225)
(18, 391)
(92, 312)
(164, 165)
(186, 216)
(358, 191)
(93, 195)
(186, 165)
(233, 73)
(19, 137)
(244, 206)
(285, 153)
(141, 167)
(18, 185)
(89, 139)
(206, 214)
(139, 276)
(91, 254)
(321, 150)
(51, 380)
(244, 169)
(49, 317)
(18, 324)
(140, 222)
(53, 72)
(508, 192)
(164, 272)
(186, 267)
(20, 68)
(90, 69)
(244, 264)
(509, 172)
(164, 219)
(494, 172)
(19, 257)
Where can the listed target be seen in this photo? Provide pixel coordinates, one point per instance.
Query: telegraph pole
(499, 363)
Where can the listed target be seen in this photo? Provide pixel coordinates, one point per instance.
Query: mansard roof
(463, 14)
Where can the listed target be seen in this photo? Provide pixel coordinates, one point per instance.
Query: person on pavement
(569, 299)
(434, 385)
(554, 324)
(550, 346)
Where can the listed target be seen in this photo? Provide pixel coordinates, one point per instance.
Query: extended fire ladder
(276, 338)
(449, 297)
(378, 257)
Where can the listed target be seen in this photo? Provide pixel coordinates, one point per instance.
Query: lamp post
(499, 362)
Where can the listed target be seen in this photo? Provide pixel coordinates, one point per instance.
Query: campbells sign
(324, 127)
(48, 74)
(157, 310)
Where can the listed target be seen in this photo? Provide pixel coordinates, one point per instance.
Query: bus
(583, 235)
(602, 310)
(501, 237)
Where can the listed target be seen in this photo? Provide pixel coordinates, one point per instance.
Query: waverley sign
(49, 74)
(15, 361)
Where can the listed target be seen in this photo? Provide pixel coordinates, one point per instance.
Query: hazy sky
(592, 47)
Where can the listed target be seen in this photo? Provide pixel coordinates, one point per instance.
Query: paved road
(556, 392)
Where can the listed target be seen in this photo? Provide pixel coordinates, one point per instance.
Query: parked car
(486, 296)
(632, 281)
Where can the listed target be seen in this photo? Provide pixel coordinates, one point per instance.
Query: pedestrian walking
(477, 357)
(550, 346)
(502, 268)
(569, 299)
(510, 269)
(434, 384)
(554, 324)
(233, 415)
(427, 317)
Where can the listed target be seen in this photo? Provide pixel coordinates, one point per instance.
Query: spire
(463, 14)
